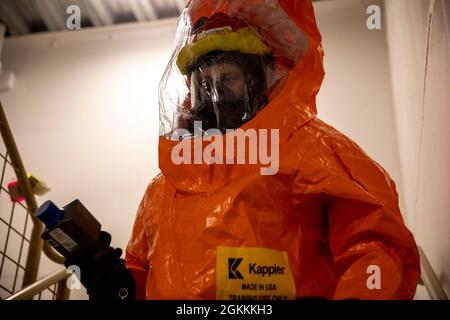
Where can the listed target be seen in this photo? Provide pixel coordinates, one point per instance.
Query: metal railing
(57, 280)
(20, 238)
(429, 279)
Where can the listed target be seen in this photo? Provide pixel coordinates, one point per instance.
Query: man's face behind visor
(222, 81)
(226, 90)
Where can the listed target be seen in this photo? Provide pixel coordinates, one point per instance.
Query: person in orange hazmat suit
(324, 223)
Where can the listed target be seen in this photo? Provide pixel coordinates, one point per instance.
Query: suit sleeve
(374, 253)
(136, 257)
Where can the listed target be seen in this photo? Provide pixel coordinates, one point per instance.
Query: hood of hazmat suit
(314, 216)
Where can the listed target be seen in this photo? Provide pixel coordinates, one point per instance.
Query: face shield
(226, 67)
(226, 90)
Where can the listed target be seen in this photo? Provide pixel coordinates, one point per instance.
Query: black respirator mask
(227, 89)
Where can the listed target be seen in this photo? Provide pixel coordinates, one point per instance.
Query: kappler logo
(233, 264)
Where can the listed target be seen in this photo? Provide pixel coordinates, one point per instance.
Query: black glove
(102, 271)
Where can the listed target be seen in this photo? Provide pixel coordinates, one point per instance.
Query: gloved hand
(102, 271)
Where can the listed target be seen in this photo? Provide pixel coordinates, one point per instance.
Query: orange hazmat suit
(327, 224)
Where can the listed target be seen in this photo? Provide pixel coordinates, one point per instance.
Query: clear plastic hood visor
(226, 66)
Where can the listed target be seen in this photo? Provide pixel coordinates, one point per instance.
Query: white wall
(85, 117)
(419, 36)
(406, 33)
(356, 96)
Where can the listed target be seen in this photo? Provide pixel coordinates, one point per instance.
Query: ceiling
(29, 16)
